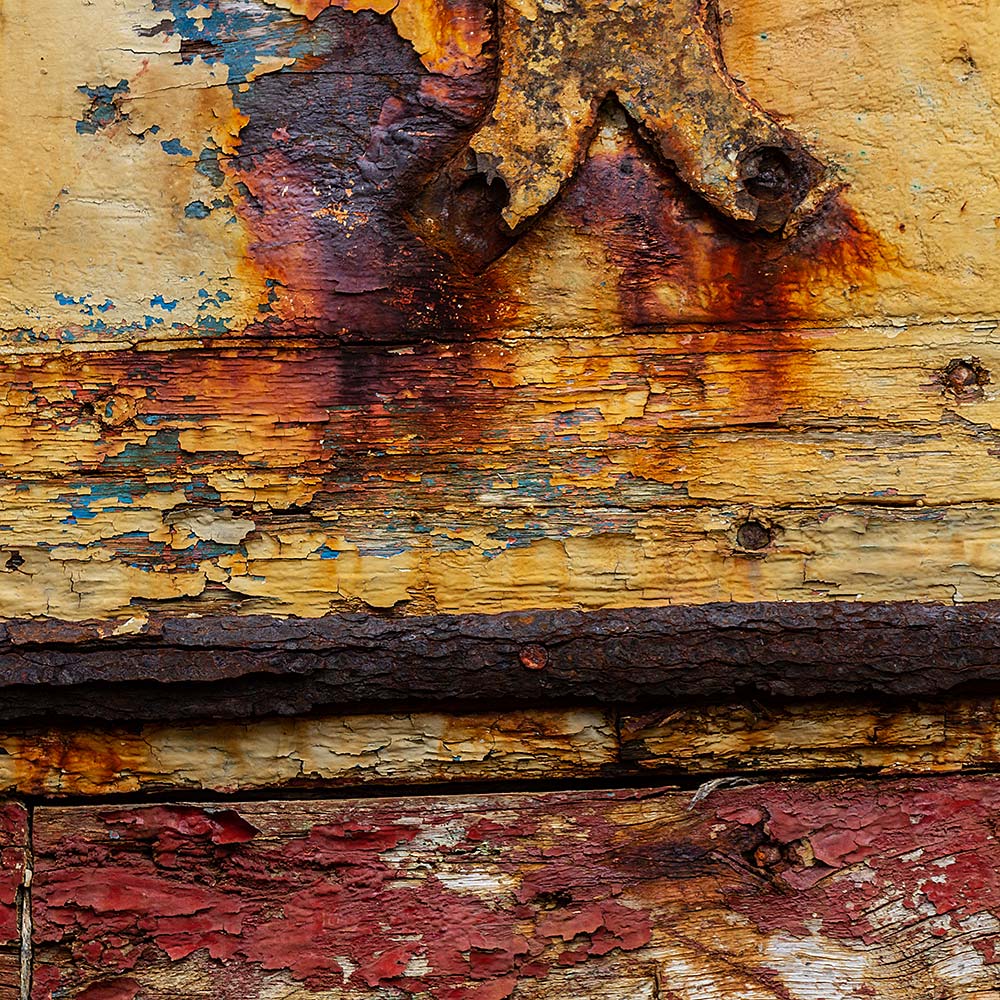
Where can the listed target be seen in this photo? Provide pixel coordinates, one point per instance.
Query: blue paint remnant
(104, 109)
(173, 147)
(106, 305)
(160, 451)
(68, 300)
(272, 295)
(101, 496)
(163, 304)
(212, 324)
(208, 166)
(201, 492)
(197, 210)
(242, 35)
(325, 552)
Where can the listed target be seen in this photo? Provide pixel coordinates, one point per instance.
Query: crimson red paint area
(502, 895)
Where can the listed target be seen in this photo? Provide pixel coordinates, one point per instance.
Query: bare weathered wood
(316, 751)
(802, 891)
(891, 736)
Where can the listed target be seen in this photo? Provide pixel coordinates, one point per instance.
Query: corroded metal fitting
(662, 60)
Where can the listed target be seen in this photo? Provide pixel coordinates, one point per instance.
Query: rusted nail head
(754, 535)
(533, 657)
(962, 375)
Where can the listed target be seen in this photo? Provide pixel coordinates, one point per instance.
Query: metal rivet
(533, 657)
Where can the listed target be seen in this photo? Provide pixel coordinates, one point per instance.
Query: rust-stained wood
(807, 892)
(509, 748)
(242, 377)
(173, 667)
(316, 751)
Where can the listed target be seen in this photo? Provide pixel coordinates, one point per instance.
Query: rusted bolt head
(964, 376)
(753, 534)
(767, 856)
(533, 657)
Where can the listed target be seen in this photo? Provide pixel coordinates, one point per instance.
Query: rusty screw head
(964, 376)
(533, 657)
(769, 174)
(753, 534)
(768, 856)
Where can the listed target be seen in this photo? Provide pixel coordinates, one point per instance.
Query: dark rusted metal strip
(237, 666)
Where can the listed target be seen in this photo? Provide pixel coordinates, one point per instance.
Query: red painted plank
(842, 890)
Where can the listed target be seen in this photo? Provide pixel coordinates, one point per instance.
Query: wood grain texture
(242, 378)
(274, 755)
(318, 752)
(14, 877)
(839, 890)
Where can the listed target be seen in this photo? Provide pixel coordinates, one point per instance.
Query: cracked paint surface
(746, 892)
(240, 377)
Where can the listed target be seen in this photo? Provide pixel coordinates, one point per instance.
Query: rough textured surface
(890, 736)
(14, 865)
(844, 890)
(663, 62)
(505, 749)
(242, 378)
(317, 751)
(173, 667)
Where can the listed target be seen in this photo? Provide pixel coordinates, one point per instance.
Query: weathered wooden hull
(240, 381)
(508, 410)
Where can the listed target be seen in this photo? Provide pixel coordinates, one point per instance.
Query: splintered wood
(254, 364)
(839, 891)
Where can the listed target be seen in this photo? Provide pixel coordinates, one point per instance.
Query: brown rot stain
(679, 263)
(335, 148)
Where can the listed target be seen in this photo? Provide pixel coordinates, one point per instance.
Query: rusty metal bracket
(232, 666)
(662, 60)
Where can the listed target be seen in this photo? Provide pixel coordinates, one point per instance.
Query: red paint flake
(338, 889)
(118, 989)
(928, 846)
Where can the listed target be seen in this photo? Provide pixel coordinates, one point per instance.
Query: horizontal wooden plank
(893, 736)
(125, 552)
(271, 754)
(806, 891)
(137, 480)
(254, 665)
(901, 736)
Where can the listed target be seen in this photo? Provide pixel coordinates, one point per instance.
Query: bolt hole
(14, 562)
(769, 174)
(753, 535)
